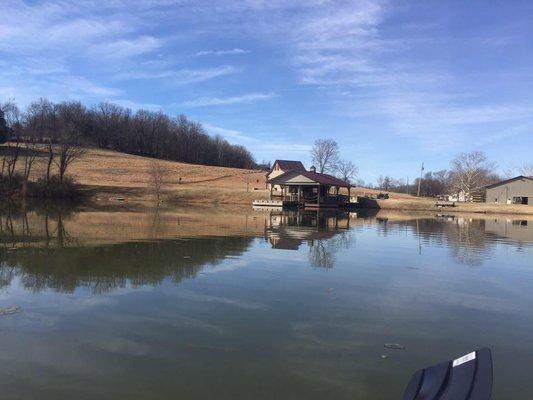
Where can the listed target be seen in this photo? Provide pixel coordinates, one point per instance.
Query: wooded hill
(110, 126)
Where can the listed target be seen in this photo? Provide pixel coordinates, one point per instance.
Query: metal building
(517, 190)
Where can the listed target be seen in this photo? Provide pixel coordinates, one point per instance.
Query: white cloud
(135, 105)
(52, 27)
(351, 57)
(221, 52)
(218, 101)
(125, 48)
(24, 86)
(266, 146)
(439, 121)
(227, 133)
(334, 45)
(181, 76)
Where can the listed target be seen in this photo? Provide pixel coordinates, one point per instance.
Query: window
(520, 200)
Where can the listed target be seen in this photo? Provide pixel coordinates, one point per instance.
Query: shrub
(54, 188)
(9, 188)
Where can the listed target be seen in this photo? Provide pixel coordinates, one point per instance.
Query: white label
(464, 359)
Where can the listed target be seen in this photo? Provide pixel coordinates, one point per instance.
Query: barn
(518, 190)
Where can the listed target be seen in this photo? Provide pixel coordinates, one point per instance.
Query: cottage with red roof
(280, 167)
(306, 188)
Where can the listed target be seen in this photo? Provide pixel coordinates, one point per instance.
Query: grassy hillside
(108, 177)
(112, 178)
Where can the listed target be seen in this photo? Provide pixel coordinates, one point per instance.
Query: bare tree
(146, 133)
(158, 174)
(68, 151)
(4, 128)
(325, 154)
(31, 149)
(385, 182)
(9, 165)
(346, 170)
(527, 169)
(470, 172)
(9, 119)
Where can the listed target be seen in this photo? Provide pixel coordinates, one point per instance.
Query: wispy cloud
(125, 48)
(335, 45)
(264, 146)
(440, 120)
(181, 76)
(133, 105)
(221, 52)
(220, 101)
(227, 133)
(372, 64)
(25, 84)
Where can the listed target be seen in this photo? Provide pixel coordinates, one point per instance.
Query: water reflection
(470, 240)
(266, 321)
(324, 233)
(63, 249)
(38, 250)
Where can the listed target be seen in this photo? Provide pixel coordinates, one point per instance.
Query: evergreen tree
(4, 129)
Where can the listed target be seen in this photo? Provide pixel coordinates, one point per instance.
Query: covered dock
(310, 189)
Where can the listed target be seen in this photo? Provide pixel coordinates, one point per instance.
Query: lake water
(226, 304)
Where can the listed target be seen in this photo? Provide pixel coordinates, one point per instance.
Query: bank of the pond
(110, 179)
(428, 204)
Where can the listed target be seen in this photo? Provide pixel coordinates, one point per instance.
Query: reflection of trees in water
(468, 242)
(320, 255)
(325, 232)
(54, 260)
(105, 268)
(16, 231)
(322, 252)
(466, 238)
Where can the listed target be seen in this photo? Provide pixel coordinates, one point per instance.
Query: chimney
(312, 169)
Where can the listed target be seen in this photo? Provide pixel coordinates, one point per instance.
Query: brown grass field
(111, 178)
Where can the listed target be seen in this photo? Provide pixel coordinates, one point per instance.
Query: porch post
(318, 197)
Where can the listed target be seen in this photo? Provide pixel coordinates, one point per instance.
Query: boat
(466, 378)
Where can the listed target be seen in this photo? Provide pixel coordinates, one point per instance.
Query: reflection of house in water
(289, 229)
(520, 230)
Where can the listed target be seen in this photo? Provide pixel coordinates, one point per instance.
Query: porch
(311, 195)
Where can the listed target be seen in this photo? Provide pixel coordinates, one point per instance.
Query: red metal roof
(289, 165)
(323, 179)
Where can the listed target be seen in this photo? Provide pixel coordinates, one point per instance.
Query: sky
(395, 83)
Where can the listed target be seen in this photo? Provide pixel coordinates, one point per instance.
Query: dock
(274, 203)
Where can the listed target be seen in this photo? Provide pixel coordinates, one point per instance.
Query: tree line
(111, 126)
(468, 174)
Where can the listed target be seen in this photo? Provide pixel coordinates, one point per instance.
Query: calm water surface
(205, 304)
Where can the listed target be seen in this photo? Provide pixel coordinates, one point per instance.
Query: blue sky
(395, 83)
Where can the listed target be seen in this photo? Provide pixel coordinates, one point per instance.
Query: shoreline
(112, 180)
(197, 196)
(121, 198)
